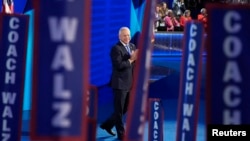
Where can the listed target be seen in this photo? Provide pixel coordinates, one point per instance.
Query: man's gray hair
(203, 10)
(123, 28)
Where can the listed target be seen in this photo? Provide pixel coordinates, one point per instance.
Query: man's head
(170, 13)
(124, 35)
(203, 11)
(164, 5)
(187, 13)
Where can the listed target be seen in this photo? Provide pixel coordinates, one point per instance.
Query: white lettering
(232, 72)
(189, 88)
(5, 137)
(59, 92)
(192, 45)
(60, 119)
(156, 115)
(215, 132)
(230, 22)
(13, 37)
(156, 105)
(63, 58)
(232, 46)
(186, 125)
(156, 125)
(13, 24)
(189, 83)
(231, 117)
(10, 77)
(7, 112)
(183, 136)
(63, 29)
(9, 62)
(230, 96)
(5, 126)
(190, 72)
(155, 134)
(12, 51)
(8, 98)
(191, 61)
(193, 30)
(187, 109)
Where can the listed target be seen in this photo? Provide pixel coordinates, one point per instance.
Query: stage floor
(170, 110)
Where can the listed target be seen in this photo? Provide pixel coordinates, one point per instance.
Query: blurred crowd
(181, 11)
(232, 1)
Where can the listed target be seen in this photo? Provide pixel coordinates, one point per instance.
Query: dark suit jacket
(122, 70)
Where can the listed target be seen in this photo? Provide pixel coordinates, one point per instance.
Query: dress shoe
(108, 130)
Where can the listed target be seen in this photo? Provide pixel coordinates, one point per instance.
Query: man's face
(125, 36)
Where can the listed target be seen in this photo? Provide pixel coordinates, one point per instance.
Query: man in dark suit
(123, 55)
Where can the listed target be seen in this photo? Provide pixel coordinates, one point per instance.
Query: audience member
(202, 17)
(161, 26)
(158, 17)
(164, 9)
(171, 22)
(184, 18)
(179, 8)
(123, 55)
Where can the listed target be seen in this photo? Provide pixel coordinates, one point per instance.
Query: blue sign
(92, 113)
(137, 109)
(228, 64)
(92, 102)
(155, 128)
(60, 70)
(13, 45)
(190, 82)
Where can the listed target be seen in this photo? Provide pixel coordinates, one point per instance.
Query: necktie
(128, 49)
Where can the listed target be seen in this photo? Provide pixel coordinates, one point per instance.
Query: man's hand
(133, 56)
